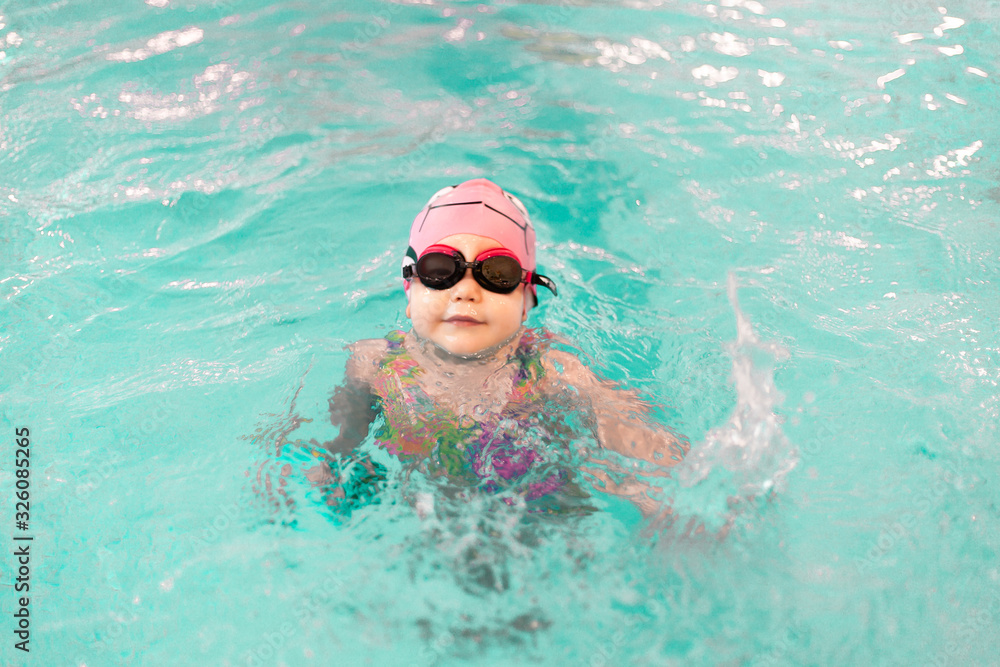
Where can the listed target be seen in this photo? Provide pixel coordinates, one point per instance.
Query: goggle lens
(501, 271)
(437, 270)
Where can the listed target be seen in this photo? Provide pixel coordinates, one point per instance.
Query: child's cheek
(507, 309)
(424, 306)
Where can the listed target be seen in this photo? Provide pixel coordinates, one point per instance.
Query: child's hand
(609, 477)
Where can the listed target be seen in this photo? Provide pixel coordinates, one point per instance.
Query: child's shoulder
(555, 350)
(560, 360)
(366, 358)
(564, 367)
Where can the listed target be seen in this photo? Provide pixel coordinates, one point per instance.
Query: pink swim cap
(478, 207)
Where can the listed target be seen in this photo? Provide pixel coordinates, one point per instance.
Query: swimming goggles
(497, 270)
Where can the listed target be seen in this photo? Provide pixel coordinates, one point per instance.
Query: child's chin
(466, 347)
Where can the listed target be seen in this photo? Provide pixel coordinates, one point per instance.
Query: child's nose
(466, 289)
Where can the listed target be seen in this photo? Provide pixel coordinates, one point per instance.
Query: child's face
(466, 318)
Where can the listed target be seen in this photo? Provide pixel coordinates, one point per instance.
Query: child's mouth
(462, 321)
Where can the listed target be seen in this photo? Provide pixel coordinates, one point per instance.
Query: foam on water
(749, 456)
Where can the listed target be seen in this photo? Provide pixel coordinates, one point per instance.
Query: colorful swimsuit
(502, 453)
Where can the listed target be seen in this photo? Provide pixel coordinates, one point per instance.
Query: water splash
(748, 457)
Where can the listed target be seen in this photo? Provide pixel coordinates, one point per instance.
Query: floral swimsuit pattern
(500, 453)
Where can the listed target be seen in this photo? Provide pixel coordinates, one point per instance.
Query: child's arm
(618, 420)
(619, 416)
(352, 406)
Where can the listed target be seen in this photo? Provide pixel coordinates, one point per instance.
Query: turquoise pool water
(201, 204)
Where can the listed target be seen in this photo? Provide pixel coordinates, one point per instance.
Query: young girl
(470, 395)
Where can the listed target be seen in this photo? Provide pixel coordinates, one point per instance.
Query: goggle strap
(409, 263)
(544, 281)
